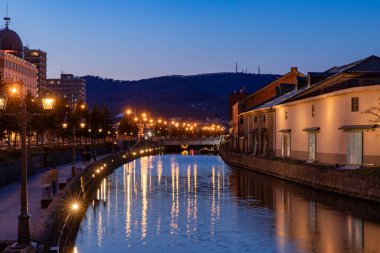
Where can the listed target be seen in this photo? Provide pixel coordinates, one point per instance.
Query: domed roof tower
(10, 42)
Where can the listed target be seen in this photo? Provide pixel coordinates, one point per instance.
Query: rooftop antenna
(27, 43)
(258, 70)
(7, 18)
(236, 68)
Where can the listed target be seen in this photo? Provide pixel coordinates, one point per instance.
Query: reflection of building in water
(313, 226)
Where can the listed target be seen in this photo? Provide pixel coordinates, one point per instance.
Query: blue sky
(138, 39)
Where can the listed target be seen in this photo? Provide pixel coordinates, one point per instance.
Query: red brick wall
(232, 99)
(269, 91)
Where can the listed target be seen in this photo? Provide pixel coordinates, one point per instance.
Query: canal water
(174, 203)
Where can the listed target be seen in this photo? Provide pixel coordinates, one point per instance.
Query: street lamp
(65, 124)
(23, 116)
(94, 137)
(82, 125)
(48, 101)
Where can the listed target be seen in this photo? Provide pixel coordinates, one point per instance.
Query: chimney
(294, 69)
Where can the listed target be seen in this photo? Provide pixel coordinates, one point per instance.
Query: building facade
(69, 87)
(279, 86)
(255, 120)
(18, 74)
(334, 121)
(38, 58)
(331, 117)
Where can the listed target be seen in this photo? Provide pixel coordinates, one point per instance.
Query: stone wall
(316, 176)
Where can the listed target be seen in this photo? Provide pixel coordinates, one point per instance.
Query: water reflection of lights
(144, 200)
(189, 178)
(212, 225)
(195, 211)
(138, 181)
(170, 199)
(128, 198)
(159, 171)
(100, 229)
(174, 212)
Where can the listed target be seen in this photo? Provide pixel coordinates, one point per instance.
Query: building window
(312, 110)
(286, 115)
(255, 119)
(354, 104)
(241, 121)
(263, 118)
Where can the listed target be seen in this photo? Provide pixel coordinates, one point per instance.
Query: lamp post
(23, 116)
(94, 135)
(82, 125)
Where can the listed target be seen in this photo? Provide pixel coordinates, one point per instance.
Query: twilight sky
(129, 40)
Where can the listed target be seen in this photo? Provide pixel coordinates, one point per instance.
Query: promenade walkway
(10, 200)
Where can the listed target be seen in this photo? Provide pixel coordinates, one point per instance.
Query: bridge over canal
(176, 144)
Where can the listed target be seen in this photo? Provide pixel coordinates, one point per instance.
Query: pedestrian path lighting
(82, 124)
(23, 117)
(65, 124)
(48, 101)
(73, 208)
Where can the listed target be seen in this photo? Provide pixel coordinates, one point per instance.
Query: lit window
(312, 110)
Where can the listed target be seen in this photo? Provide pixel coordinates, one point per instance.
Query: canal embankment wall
(320, 177)
(59, 225)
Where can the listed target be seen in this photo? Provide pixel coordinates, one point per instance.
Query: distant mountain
(197, 96)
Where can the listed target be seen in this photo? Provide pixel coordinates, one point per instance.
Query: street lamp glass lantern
(82, 123)
(3, 100)
(64, 124)
(48, 101)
